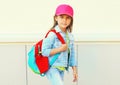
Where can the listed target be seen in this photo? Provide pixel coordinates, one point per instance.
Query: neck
(64, 30)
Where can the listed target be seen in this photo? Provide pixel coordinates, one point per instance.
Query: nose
(64, 19)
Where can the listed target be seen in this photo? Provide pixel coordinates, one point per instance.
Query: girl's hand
(63, 47)
(75, 76)
(75, 73)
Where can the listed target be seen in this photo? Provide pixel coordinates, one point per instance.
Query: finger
(74, 80)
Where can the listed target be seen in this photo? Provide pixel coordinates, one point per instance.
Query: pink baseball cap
(64, 9)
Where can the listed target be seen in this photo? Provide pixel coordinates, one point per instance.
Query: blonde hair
(69, 28)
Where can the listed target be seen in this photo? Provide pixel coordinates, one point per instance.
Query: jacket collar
(57, 28)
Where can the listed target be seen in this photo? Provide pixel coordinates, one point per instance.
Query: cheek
(69, 21)
(58, 22)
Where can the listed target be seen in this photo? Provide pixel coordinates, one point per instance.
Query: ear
(55, 18)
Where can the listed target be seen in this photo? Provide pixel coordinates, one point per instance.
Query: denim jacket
(53, 42)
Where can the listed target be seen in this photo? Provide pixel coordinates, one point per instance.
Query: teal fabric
(32, 63)
(54, 59)
(31, 60)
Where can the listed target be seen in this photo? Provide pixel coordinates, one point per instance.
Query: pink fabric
(64, 9)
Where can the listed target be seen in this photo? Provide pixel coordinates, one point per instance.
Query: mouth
(64, 24)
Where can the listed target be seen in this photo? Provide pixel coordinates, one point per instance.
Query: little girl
(63, 22)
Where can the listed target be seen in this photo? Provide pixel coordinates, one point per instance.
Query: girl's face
(63, 21)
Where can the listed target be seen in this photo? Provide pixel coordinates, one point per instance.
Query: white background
(29, 20)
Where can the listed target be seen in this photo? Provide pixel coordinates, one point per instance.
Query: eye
(68, 17)
(61, 16)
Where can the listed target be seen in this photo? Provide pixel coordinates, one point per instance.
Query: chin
(64, 26)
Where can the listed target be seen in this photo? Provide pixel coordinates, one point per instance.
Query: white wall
(98, 64)
(12, 65)
(27, 20)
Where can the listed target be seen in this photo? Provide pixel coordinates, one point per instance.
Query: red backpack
(36, 61)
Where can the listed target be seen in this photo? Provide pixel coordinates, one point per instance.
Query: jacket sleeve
(48, 43)
(72, 61)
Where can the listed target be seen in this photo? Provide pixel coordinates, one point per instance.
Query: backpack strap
(38, 45)
(61, 40)
(58, 35)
